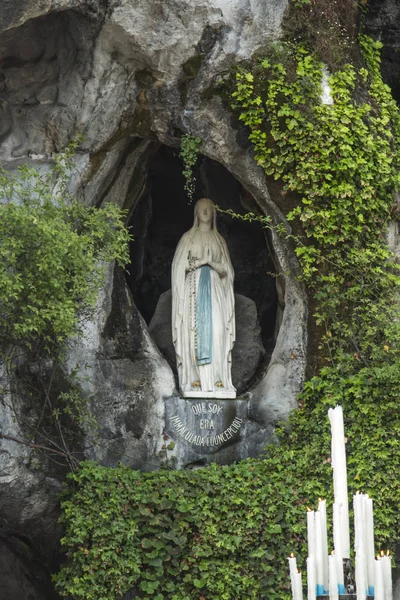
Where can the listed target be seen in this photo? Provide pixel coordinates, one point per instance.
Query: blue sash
(204, 318)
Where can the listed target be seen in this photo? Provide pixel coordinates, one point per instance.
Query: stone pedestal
(209, 430)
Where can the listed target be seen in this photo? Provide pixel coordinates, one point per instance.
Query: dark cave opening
(163, 214)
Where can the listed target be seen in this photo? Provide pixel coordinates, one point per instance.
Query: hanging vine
(190, 146)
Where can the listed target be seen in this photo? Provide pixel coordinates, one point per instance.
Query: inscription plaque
(205, 425)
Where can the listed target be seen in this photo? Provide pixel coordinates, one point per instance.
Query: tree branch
(37, 446)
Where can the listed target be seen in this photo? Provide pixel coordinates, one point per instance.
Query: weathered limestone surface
(120, 73)
(128, 75)
(28, 515)
(125, 379)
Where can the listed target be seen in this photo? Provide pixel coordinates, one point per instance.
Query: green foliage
(190, 146)
(53, 252)
(224, 533)
(72, 404)
(264, 220)
(212, 533)
(343, 161)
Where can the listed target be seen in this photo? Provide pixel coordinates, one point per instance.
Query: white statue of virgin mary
(203, 308)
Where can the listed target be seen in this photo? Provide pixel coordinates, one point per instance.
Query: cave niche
(163, 214)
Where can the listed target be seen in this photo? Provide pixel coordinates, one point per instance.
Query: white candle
(361, 584)
(337, 541)
(333, 582)
(318, 554)
(338, 452)
(387, 576)
(311, 579)
(322, 510)
(369, 543)
(311, 532)
(298, 587)
(378, 589)
(293, 573)
(358, 523)
(360, 545)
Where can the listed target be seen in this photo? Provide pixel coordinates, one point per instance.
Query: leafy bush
(53, 252)
(224, 533)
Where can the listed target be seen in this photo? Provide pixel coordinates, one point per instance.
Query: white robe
(203, 244)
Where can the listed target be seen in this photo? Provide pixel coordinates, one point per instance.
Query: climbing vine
(224, 533)
(342, 160)
(190, 146)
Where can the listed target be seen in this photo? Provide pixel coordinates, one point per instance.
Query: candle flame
(388, 552)
(309, 509)
(292, 555)
(382, 553)
(319, 499)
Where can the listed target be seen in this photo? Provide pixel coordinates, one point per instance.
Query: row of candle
(326, 571)
(325, 574)
(382, 589)
(383, 578)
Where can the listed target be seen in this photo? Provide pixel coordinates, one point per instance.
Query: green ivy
(224, 533)
(343, 161)
(212, 533)
(190, 146)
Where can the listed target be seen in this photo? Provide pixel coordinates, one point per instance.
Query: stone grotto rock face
(133, 94)
(133, 78)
